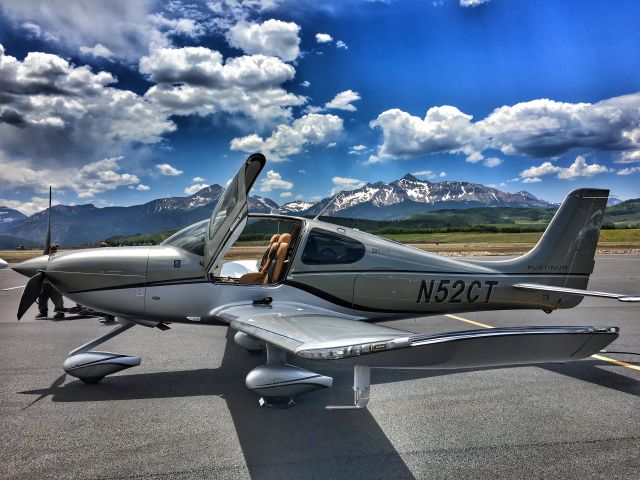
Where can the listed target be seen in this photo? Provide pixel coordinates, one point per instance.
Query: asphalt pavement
(185, 411)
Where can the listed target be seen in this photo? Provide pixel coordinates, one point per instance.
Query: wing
(312, 333)
(576, 291)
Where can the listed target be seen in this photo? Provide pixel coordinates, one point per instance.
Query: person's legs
(58, 303)
(43, 299)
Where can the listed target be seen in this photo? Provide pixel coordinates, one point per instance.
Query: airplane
(321, 291)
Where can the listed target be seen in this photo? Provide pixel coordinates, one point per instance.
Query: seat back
(275, 269)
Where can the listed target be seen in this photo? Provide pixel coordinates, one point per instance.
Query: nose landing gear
(91, 366)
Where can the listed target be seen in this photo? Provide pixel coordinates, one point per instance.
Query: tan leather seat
(268, 257)
(275, 269)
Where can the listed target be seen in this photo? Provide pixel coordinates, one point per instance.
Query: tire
(92, 381)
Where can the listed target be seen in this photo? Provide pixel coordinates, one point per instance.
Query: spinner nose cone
(30, 267)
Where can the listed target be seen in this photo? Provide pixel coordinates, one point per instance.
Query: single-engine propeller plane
(321, 291)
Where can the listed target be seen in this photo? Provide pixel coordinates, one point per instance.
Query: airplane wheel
(92, 381)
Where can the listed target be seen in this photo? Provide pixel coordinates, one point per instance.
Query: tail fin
(568, 245)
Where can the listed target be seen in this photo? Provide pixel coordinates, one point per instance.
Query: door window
(326, 248)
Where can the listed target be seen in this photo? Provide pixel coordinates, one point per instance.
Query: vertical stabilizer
(568, 245)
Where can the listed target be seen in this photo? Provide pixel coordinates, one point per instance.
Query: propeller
(31, 293)
(33, 287)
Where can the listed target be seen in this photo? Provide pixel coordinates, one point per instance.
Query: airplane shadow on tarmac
(306, 440)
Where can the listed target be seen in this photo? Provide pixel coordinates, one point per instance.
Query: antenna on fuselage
(327, 205)
(47, 240)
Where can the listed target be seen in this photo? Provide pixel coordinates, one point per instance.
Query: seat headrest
(285, 238)
(274, 239)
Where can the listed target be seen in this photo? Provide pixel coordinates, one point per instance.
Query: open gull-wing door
(231, 211)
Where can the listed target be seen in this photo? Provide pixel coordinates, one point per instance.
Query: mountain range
(81, 224)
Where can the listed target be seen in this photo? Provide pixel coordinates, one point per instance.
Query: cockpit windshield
(190, 239)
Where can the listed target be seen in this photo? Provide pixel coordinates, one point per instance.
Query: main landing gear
(90, 366)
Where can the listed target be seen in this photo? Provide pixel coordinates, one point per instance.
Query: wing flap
(318, 334)
(576, 291)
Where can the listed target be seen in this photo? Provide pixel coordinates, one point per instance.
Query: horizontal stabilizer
(317, 334)
(576, 291)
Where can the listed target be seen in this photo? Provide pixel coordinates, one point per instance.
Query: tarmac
(186, 413)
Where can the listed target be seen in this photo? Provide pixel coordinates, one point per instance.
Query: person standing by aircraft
(48, 292)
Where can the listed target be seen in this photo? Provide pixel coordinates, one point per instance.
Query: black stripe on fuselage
(423, 272)
(159, 283)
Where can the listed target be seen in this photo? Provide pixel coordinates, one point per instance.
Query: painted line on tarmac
(12, 288)
(455, 317)
(598, 357)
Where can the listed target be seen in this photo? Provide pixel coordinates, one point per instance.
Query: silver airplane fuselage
(170, 285)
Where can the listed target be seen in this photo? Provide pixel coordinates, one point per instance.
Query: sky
(120, 102)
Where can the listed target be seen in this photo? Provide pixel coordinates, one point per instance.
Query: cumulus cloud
(288, 140)
(341, 44)
(622, 171)
(578, 169)
(443, 174)
(343, 101)
(168, 170)
(492, 162)
(60, 114)
(143, 188)
(323, 38)
(198, 179)
(197, 80)
(305, 84)
(472, 3)
(91, 179)
(345, 183)
(98, 51)
(195, 188)
(425, 173)
(357, 150)
(35, 205)
(273, 37)
(286, 195)
(124, 28)
(539, 128)
(274, 181)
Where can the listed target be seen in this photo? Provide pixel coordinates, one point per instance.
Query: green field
(629, 237)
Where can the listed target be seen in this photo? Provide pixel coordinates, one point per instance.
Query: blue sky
(121, 103)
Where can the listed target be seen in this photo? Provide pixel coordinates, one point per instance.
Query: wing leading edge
(318, 334)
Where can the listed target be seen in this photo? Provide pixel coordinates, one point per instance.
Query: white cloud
(345, 183)
(305, 84)
(91, 179)
(195, 188)
(425, 173)
(341, 44)
(539, 128)
(288, 140)
(125, 28)
(196, 80)
(54, 113)
(168, 170)
(472, 3)
(35, 205)
(343, 101)
(274, 181)
(492, 162)
(98, 51)
(357, 150)
(286, 195)
(272, 37)
(632, 156)
(578, 169)
(623, 171)
(198, 179)
(443, 174)
(143, 188)
(323, 38)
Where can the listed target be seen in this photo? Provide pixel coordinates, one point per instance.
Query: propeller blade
(47, 240)
(31, 292)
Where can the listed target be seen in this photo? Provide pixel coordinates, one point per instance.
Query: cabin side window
(327, 248)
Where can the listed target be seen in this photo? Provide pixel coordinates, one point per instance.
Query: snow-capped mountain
(410, 195)
(9, 215)
(295, 207)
